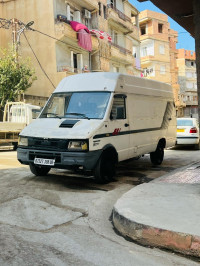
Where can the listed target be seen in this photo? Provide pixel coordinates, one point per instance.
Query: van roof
(108, 81)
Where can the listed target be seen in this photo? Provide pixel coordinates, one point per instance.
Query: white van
(93, 121)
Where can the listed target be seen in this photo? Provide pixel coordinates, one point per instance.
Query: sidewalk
(163, 213)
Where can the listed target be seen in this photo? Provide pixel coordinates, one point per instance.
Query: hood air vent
(68, 123)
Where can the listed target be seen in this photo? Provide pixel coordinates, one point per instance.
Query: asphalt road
(64, 218)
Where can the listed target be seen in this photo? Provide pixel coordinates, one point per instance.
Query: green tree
(15, 78)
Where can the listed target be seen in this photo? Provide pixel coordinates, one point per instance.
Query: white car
(187, 131)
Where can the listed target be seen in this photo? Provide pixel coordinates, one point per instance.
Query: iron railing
(121, 49)
(120, 14)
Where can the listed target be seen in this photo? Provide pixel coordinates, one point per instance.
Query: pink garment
(76, 26)
(84, 40)
(101, 35)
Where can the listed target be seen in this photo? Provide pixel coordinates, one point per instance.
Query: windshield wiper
(55, 115)
(78, 114)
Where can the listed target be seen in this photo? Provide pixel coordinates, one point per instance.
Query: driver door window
(119, 108)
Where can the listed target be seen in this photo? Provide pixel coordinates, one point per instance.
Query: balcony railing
(120, 14)
(121, 49)
(68, 69)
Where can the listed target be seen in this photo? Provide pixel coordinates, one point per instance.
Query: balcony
(122, 54)
(150, 58)
(69, 69)
(135, 33)
(88, 4)
(191, 103)
(65, 33)
(119, 19)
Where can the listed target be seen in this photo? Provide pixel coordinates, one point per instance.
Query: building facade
(158, 52)
(187, 78)
(56, 44)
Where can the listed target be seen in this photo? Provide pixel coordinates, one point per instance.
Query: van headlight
(23, 141)
(78, 145)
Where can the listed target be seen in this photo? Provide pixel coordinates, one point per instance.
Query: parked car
(187, 131)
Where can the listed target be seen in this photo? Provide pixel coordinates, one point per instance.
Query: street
(64, 218)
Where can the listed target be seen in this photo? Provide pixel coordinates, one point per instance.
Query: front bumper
(63, 160)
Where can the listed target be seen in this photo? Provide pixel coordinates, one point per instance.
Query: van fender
(161, 143)
(110, 149)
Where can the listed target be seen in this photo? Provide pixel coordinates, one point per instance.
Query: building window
(160, 28)
(114, 37)
(76, 62)
(119, 108)
(99, 8)
(134, 51)
(189, 74)
(87, 22)
(143, 30)
(104, 12)
(113, 3)
(71, 15)
(77, 16)
(144, 51)
(162, 70)
(162, 49)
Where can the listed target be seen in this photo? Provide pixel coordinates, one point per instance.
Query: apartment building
(178, 97)
(62, 55)
(155, 55)
(187, 79)
(158, 52)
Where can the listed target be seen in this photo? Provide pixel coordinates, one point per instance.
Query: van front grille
(48, 144)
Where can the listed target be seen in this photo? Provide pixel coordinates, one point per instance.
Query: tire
(39, 170)
(105, 168)
(197, 146)
(157, 156)
(15, 145)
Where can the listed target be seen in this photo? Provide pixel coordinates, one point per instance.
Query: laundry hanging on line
(101, 35)
(84, 36)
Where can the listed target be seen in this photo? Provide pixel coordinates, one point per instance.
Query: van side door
(119, 126)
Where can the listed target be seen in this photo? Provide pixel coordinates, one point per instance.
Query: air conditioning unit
(87, 13)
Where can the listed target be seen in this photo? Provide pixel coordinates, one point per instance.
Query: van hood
(61, 128)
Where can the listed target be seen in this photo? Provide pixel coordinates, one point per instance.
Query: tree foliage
(15, 78)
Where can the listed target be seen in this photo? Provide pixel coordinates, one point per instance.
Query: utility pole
(14, 38)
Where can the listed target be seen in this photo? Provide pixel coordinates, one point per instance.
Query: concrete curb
(156, 237)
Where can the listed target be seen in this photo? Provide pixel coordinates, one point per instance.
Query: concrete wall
(44, 47)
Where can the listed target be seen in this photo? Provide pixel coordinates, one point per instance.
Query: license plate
(42, 161)
(180, 130)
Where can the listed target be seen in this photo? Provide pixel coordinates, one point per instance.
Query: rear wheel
(105, 168)
(197, 146)
(39, 170)
(158, 155)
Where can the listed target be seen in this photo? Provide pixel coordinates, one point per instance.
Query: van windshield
(88, 105)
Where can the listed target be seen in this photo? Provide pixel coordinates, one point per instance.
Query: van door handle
(126, 125)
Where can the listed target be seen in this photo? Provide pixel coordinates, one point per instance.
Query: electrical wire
(54, 38)
(38, 61)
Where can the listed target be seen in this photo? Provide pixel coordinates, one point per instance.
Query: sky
(185, 40)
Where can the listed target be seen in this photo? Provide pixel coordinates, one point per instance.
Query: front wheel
(157, 156)
(39, 170)
(105, 168)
